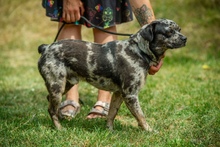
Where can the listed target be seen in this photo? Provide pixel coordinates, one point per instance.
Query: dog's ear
(147, 33)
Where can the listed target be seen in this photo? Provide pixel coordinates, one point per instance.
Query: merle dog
(118, 66)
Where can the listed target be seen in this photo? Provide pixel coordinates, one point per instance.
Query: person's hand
(154, 69)
(72, 10)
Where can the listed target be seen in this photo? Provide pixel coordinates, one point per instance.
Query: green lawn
(181, 102)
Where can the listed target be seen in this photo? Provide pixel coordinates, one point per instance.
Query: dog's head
(163, 34)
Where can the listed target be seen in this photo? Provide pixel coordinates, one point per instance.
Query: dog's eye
(170, 33)
(178, 29)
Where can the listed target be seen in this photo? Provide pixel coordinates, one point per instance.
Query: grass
(181, 101)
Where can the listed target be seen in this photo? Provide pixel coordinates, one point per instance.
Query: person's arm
(144, 14)
(143, 11)
(72, 10)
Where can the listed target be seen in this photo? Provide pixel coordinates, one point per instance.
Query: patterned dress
(104, 13)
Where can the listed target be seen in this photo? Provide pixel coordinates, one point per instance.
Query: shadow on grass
(23, 109)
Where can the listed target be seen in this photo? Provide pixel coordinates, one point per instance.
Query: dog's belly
(103, 83)
(98, 79)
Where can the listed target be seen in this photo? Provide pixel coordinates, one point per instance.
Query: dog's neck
(145, 50)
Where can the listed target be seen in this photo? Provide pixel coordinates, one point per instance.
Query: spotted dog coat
(117, 66)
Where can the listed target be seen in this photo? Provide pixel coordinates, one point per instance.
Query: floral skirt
(104, 13)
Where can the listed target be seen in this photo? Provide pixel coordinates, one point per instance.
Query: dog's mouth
(175, 46)
(178, 44)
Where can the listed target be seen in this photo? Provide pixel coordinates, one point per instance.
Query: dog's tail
(42, 48)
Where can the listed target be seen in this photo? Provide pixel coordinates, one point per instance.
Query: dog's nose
(184, 38)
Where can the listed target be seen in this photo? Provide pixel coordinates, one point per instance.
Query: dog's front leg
(133, 105)
(115, 104)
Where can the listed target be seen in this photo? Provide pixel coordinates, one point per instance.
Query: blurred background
(24, 25)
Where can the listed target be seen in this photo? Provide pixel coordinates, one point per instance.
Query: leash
(95, 26)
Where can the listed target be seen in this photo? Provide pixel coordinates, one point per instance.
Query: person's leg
(72, 32)
(103, 96)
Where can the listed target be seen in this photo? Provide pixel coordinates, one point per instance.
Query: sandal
(103, 112)
(68, 114)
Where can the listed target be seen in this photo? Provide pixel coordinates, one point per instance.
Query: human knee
(70, 31)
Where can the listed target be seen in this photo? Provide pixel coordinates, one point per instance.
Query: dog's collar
(146, 54)
(151, 61)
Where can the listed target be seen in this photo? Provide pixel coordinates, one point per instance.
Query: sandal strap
(68, 114)
(69, 102)
(103, 112)
(104, 105)
(99, 112)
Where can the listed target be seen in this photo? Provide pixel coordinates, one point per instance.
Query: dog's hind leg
(133, 105)
(54, 102)
(56, 90)
(115, 104)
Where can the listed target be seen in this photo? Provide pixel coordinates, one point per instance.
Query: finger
(77, 16)
(160, 64)
(72, 18)
(68, 18)
(64, 16)
(152, 73)
(82, 10)
(154, 69)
